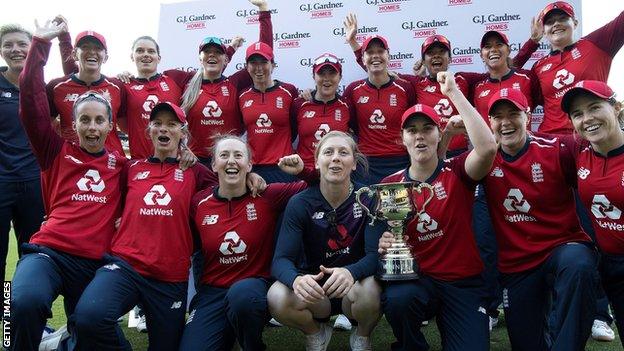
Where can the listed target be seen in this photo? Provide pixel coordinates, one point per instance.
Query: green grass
(286, 339)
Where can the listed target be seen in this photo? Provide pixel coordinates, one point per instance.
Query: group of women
(121, 232)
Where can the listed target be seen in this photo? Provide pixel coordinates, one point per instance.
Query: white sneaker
(358, 342)
(51, 341)
(601, 331)
(320, 340)
(342, 322)
(424, 323)
(493, 322)
(133, 318)
(142, 325)
(273, 322)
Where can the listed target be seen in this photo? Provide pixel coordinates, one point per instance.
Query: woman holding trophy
(327, 226)
(450, 285)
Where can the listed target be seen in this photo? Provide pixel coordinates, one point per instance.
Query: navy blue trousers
(115, 289)
(459, 308)
(42, 275)
(488, 250)
(380, 167)
(221, 316)
(553, 306)
(20, 203)
(612, 272)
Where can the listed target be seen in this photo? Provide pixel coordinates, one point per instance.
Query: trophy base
(395, 277)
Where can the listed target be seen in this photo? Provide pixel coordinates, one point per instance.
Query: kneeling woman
(326, 225)
(150, 252)
(236, 232)
(450, 286)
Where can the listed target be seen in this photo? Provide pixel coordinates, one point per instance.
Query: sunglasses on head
(326, 59)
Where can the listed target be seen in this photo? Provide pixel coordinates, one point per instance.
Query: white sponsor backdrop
(305, 29)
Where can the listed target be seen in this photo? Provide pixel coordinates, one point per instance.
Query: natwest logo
(91, 181)
(232, 244)
(496, 22)
(563, 78)
(157, 195)
(515, 202)
(320, 9)
(253, 15)
(290, 40)
(602, 208)
(148, 105)
(193, 22)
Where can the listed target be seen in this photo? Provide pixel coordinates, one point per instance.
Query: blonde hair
(13, 28)
(192, 90)
(360, 158)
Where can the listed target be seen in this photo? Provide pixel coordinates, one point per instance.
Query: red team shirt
(442, 239)
(73, 181)
(378, 114)
(141, 96)
(238, 235)
(315, 119)
(531, 203)
(587, 59)
(601, 188)
(63, 92)
(268, 121)
(155, 235)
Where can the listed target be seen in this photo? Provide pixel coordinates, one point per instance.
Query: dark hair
(146, 37)
(13, 28)
(93, 96)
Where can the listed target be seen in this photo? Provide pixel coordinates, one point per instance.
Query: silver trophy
(395, 205)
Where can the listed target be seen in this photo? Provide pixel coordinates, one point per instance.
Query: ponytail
(192, 90)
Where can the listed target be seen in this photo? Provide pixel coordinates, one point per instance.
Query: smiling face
(90, 55)
(231, 162)
(376, 57)
(92, 125)
(165, 131)
(437, 59)
(213, 61)
(509, 125)
(336, 160)
(327, 80)
(145, 56)
(13, 49)
(495, 53)
(260, 69)
(559, 29)
(420, 136)
(595, 119)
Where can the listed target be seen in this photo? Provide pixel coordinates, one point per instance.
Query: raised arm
(34, 107)
(480, 159)
(65, 46)
(609, 37)
(529, 47)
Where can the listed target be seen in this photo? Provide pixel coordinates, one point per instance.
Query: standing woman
(82, 183)
(150, 253)
(325, 112)
(450, 284)
(20, 184)
(210, 99)
(268, 117)
(237, 239)
(379, 101)
(571, 61)
(325, 225)
(598, 118)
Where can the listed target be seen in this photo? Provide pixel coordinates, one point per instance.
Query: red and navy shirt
(63, 92)
(601, 188)
(141, 96)
(269, 121)
(587, 59)
(441, 237)
(378, 114)
(155, 234)
(237, 235)
(82, 191)
(315, 119)
(531, 203)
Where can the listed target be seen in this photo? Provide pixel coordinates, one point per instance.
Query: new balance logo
(602, 208)
(515, 202)
(430, 89)
(157, 196)
(497, 172)
(210, 219)
(112, 266)
(176, 305)
(318, 215)
(583, 173)
(91, 182)
(232, 244)
(309, 114)
(363, 100)
(484, 93)
(141, 175)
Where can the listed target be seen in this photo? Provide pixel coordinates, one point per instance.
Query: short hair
(146, 37)
(13, 28)
(92, 95)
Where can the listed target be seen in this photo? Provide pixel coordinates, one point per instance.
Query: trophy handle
(370, 194)
(419, 189)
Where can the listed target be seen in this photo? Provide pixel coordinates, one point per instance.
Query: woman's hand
(339, 282)
(50, 30)
(307, 288)
(291, 164)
